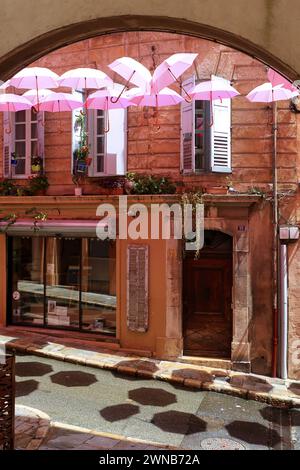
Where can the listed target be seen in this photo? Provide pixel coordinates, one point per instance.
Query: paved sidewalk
(34, 430)
(276, 392)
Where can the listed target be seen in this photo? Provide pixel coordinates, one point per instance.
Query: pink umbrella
(58, 102)
(266, 93)
(276, 79)
(35, 77)
(5, 85)
(13, 103)
(215, 89)
(170, 70)
(165, 97)
(102, 99)
(85, 78)
(133, 72)
(31, 95)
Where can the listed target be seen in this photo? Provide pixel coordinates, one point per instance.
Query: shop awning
(61, 227)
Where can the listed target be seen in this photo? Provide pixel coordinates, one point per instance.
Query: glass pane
(20, 167)
(20, 116)
(100, 163)
(34, 148)
(99, 285)
(100, 113)
(20, 131)
(34, 131)
(20, 149)
(27, 280)
(100, 126)
(100, 144)
(63, 282)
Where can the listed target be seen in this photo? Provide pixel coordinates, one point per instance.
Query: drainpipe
(283, 311)
(275, 246)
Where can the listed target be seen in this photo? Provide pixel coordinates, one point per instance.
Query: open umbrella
(276, 79)
(170, 70)
(102, 99)
(59, 102)
(85, 78)
(133, 72)
(165, 97)
(215, 89)
(12, 103)
(31, 95)
(35, 77)
(267, 93)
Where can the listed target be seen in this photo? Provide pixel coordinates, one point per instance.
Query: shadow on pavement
(30, 369)
(178, 422)
(72, 378)
(119, 412)
(152, 396)
(26, 387)
(253, 433)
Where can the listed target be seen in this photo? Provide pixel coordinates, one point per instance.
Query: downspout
(275, 246)
(283, 311)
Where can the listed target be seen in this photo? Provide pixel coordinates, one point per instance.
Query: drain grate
(219, 443)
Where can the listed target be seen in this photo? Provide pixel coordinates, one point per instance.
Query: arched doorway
(207, 298)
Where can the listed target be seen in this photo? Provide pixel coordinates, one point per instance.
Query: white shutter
(116, 141)
(188, 130)
(92, 140)
(221, 136)
(8, 144)
(41, 136)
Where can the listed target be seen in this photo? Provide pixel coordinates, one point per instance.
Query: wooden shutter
(188, 130)
(41, 136)
(221, 136)
(8, 144)
(116, 140)
(137, 288)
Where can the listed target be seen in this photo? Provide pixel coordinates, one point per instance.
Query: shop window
(23, 143)
(205, 135)
(65, 283)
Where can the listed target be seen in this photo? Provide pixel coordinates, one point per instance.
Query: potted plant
(77, 179)
(38, 185)
(113, 185)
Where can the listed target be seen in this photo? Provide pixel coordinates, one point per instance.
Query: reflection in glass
(99, 285)
(27, 280)
(63, 281)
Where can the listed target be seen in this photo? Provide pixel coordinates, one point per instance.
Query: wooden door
(207, 313)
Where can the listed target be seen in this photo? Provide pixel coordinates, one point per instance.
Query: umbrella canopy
(170, 69)
(214, 89)
(102, 99)
(165, 97)
(32, 97)
(267, 93)
(85, 78)
(5, 85)
(276, 79)
(58, 102)
(10, 102)
(35, 77)
(132, 70)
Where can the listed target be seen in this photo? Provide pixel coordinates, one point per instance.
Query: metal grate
(7, 401)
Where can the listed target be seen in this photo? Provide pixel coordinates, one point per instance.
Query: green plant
(38, 216)
(150, 184)
(37, 183)
(7, 188)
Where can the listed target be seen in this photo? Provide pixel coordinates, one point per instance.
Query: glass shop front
(62, 282)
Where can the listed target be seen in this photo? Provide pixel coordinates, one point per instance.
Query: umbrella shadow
(152, 396)
(253, 433)
(26, 387)
(179, 422)
(119, 412)
(34, 368)
(295, 388)
(72, 378)
(251, 383)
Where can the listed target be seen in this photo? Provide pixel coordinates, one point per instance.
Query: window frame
(28, 141)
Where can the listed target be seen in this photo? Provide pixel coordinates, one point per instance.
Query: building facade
(151, 296)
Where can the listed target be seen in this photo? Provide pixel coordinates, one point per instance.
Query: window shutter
(188, 130)
(116, 140)
(137, 288)
(91, 124)
(8, 145)
(41, 136)
(221, 136)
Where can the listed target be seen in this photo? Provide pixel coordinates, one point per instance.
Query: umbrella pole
(114, 101)
(211, 111)
(188, 98)
(9, 129)
(275, 245)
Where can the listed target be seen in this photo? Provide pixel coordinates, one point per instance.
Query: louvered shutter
(116, 141)
(8, 145)
(41, 136)
(221, 136)
(188, 130)
(137, 288)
